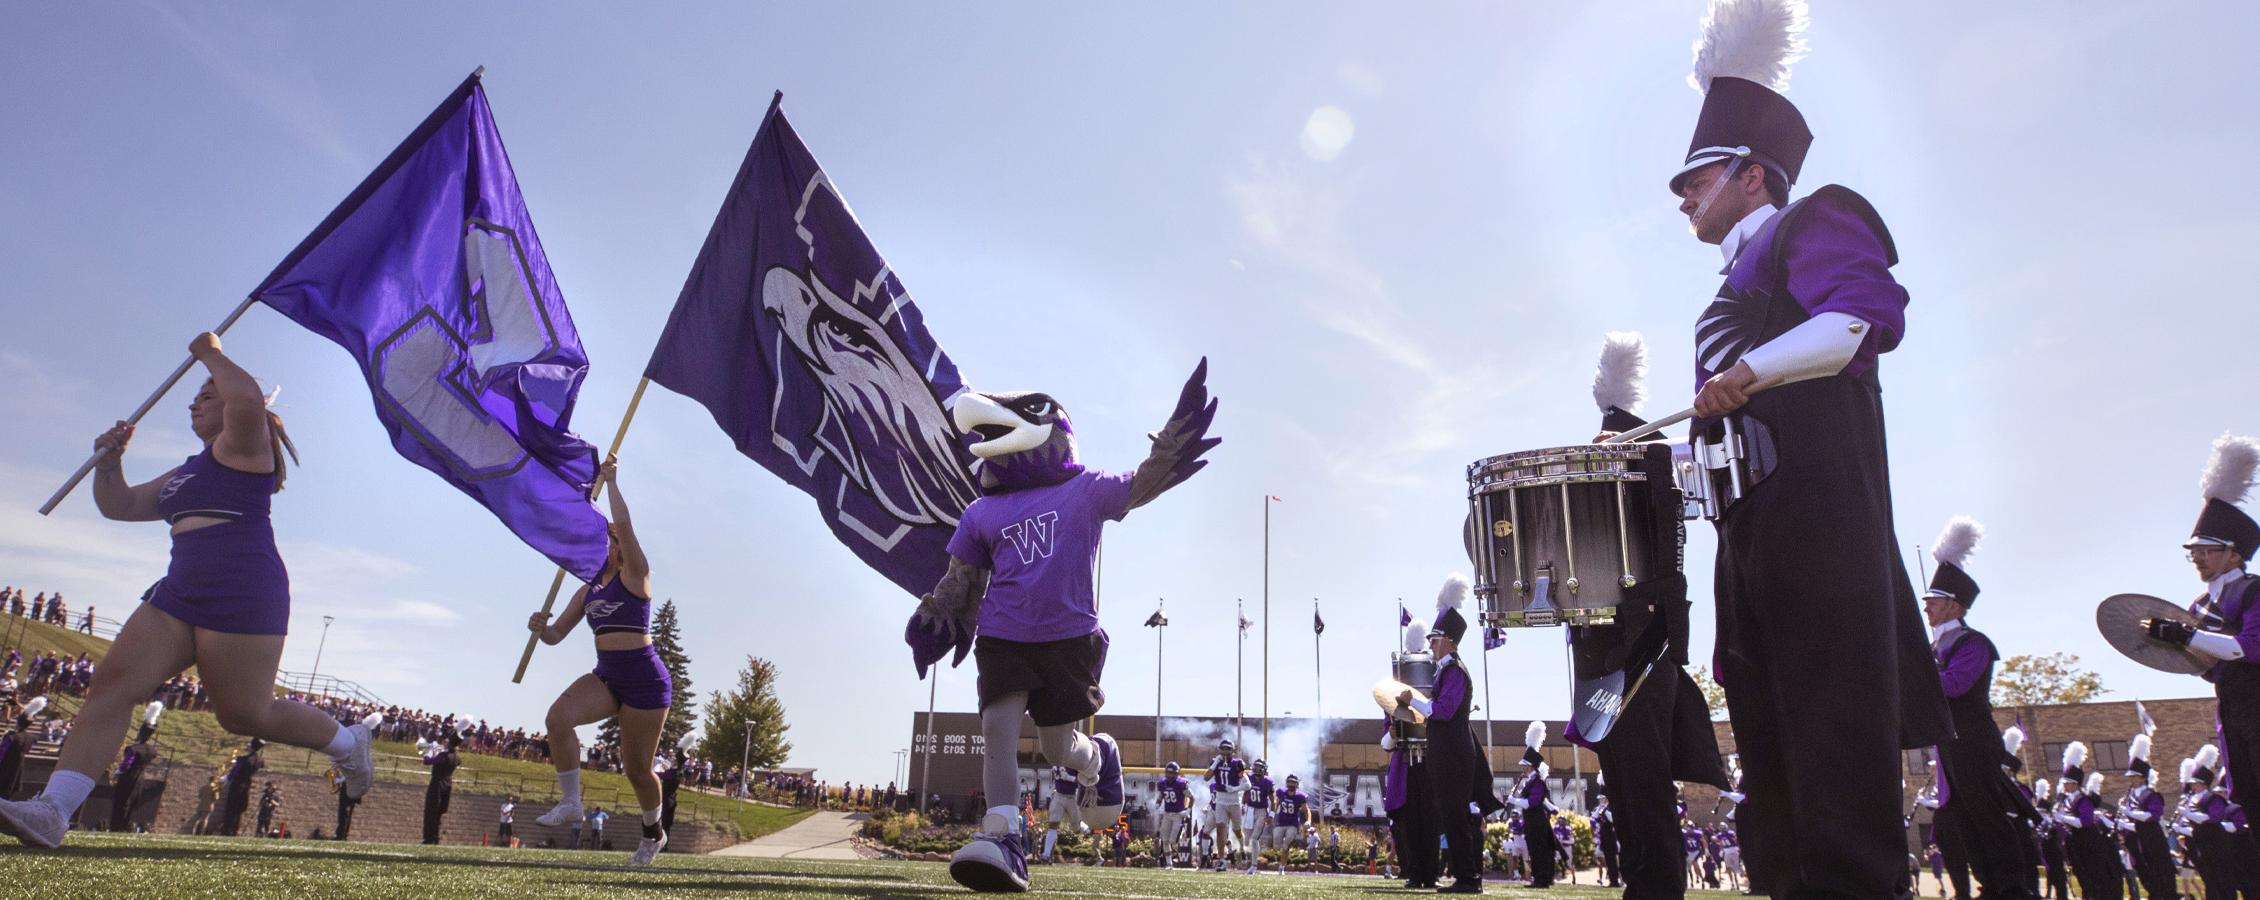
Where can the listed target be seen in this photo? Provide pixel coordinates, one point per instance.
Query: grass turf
(141, 866)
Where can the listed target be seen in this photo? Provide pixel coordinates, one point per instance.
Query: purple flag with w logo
(431, 276)
(802, 343)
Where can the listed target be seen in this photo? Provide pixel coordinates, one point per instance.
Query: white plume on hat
(156, 708)
(1621, 380)
(2095, 782)
(1453, 594)
(2189, 771)
(2040, 788)
(1534, 736)
(2228, 475)
(689, 740)
(2207, 756)
(1755, 40)
(1416, 636)
(2075, 755)
(1958, 540)
(2139, 748)
(2013, 740)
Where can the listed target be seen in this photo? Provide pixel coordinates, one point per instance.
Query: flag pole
(558, 581)
(1267, 625)
(1317, 665)
(1239, 673)
(142, 410)
(1159, 605)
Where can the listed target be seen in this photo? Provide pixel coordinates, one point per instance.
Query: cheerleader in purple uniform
(223, 605)
(630, 681)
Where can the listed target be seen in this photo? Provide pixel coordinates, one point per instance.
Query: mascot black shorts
(1061, 677)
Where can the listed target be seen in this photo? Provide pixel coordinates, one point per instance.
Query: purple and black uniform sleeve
(1838, 260)
(1962, 671)
(1451, 694)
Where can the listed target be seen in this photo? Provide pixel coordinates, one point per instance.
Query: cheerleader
(223, 605)
(630, 681)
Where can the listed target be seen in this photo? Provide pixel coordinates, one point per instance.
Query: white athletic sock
(569, 783)
(67, 790)
(341, 744)
(1006, 814)
(651, 817)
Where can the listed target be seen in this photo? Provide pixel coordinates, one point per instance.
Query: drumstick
(1652, 427)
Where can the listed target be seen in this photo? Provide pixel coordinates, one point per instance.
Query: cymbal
(2119, 617)
(1385, 694)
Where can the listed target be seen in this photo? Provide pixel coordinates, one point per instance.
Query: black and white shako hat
(2228, 478)
(1952, 551)
(1742, 61)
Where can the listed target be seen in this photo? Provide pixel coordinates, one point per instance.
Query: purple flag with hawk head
(431, 275)
(805, 347)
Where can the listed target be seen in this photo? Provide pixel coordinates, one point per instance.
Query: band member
(126, 782)
(2024, 807)
(223, 605)
(2055, 850)
(443, 759)
(1405, 799)
(241, 772)
(630, 681)
(1975, 808)
(2146, 809)
(1227, 791)
(1605, 841)
(1532, 802)
(15, 744)
(1459, 775)
(1787, 359)
(1663, 734)
(1176, 797)
(2207, 810)
(2228, 625)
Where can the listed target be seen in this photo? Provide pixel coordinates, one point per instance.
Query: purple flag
(809, 353)
(431, 275)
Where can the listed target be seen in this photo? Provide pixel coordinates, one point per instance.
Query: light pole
(318, 647)
(901, 760)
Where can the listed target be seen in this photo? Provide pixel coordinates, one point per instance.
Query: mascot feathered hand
(1025, 440)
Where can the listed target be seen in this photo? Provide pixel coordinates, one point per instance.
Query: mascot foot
(36, 822)
(992, 864)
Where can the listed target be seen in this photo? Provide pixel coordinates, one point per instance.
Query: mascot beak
(998, 430)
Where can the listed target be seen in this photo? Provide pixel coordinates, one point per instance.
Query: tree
(682, 710)
(1714, 696)
(667, 638)
(753, 702)
(2037, 680)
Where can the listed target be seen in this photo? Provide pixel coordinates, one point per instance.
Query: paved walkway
(823, 835)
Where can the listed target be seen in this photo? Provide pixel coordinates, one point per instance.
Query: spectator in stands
(86, 625)
(39, 607)
(597, 818)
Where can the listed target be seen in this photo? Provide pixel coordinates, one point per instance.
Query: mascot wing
(1178, 445)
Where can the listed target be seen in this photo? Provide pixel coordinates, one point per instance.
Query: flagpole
(558, 581)
(1240, 673)
(926, 768)
(1267, 625)
(1317, 665)
(1158, 629)
(1485, 638)
(142, 410)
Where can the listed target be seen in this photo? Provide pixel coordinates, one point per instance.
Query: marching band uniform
(1814, 606)
(1976, 799)
(2146, 809)
(440, 792)
(1531, 801)
(127, 781)
(1663, 734)
(1459, 775)
(2208, 819)
(1405, 798)
(1605, 841)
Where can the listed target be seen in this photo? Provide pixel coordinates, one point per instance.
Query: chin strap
(1718, 187)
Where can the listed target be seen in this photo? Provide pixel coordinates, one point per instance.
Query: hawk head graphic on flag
(877, 418)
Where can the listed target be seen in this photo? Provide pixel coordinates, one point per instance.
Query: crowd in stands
(44, 673)
(43, 608)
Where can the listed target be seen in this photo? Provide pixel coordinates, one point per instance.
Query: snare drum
(1416, 671)
(1558, 535)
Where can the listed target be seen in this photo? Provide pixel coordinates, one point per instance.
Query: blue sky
(1398, 238)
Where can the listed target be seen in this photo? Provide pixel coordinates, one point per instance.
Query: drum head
(2120, 617)
(1385, 694)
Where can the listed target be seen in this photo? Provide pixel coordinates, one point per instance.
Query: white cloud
(1327, 132)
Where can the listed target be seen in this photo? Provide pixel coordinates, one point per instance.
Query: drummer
(2228, 628)
(1976, 832)
(1459, 777)
(1814, 606)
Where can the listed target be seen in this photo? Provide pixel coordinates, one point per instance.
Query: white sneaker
(564, 813)
(647, 852)
(358, 768)
(36, 822)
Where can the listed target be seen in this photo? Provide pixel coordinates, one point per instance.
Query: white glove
(2228, 826)
(2138, 815)
(2068, 819)
(2198, 817)
(1388, 741)
(2182, 830)
(1519, 803)
(1735, 796)
(1927, 802)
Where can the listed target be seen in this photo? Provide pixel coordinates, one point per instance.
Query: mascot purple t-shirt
(1041, 546)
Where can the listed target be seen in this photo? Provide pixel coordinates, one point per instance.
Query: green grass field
(145, 866)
